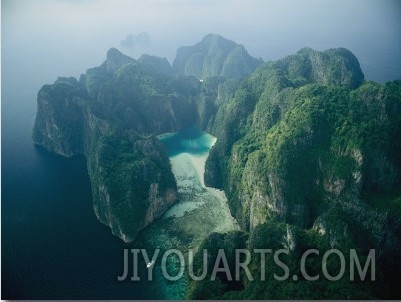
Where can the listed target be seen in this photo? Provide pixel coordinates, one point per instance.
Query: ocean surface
(53, 246)
(190, 140)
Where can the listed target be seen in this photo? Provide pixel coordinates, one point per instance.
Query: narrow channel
(200, 211)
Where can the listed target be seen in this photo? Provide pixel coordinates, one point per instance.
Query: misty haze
(181, 126)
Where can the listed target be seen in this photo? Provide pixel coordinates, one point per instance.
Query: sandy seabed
(195, 196)
(200, 211)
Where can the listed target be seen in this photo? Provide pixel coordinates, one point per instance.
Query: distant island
(307, 152)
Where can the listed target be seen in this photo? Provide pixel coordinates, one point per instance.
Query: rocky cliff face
(130, 175)
(307, 152)
(214, 56)
(60, 117)
(111, 115)
(132, 183)
(306, 142)
(288, 115)
(332, 67)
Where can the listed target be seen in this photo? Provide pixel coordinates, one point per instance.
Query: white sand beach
(199, 161)
(200, 211)
(195, 197)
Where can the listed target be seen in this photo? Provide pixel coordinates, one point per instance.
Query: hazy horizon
(305, 167)
(44, 39)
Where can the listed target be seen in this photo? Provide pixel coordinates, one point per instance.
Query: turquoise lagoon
(200, 211)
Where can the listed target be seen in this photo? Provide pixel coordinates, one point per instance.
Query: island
(306, 150)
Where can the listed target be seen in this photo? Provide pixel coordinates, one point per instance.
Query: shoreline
(189, 171)
(200, 211)
(199, 161)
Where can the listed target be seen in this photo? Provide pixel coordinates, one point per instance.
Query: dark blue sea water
(53, 246)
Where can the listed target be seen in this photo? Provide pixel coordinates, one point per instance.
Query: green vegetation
(304, 146)
(126, 168)
(304, 141)
(266, 286)
(61, 103)
(214, 56)
(111, 115)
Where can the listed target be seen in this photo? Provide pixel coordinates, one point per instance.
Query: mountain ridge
(214, 56)
(303, 143)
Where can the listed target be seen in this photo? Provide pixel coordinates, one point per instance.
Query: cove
(200, 211)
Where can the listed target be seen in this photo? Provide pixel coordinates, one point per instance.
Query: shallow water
(53, 247)
(200, 211)
(190, 140)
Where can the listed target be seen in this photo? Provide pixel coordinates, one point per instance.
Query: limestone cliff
(132, 183)
(307, 152)
(284, 120)
(214, 56)
(305, 144)
(112, 115)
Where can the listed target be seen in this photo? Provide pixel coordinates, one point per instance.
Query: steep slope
(112, 115)
(132, 183)
(214, 56)
(307, 152)
(302, 146)
(156, 65)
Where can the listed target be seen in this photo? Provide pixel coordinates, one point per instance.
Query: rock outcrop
(214, 56)
(307, 152)
(131, 180)
(112, 115)
(132, 183)
(306, 142)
